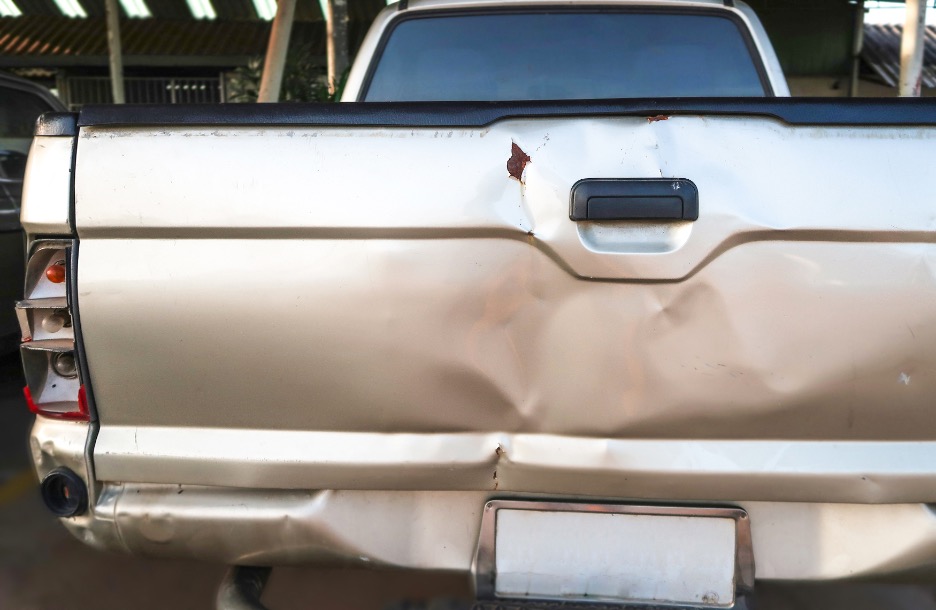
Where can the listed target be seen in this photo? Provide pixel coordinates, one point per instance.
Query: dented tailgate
(337, 305)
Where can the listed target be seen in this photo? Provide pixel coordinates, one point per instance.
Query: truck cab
(486, 50)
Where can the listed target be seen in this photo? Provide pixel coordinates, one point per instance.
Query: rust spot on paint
(659, 117)
(517, 161)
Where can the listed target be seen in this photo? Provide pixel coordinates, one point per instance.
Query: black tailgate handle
(635, 199)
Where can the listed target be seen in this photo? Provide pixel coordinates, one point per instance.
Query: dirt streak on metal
(500, 453)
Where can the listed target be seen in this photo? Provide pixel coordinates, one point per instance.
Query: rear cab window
(565, 55)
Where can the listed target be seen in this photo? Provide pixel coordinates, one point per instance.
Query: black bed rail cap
(57, 124)
(793, 111)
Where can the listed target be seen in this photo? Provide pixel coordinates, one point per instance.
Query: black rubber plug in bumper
(64, 493)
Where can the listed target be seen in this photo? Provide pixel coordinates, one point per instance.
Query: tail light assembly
(50, 359)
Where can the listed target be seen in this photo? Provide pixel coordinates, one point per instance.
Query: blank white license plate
(607, 556)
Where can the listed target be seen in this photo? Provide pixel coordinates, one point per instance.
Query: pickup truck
(569, 297)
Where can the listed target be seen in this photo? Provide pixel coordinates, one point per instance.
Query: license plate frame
(484, 566)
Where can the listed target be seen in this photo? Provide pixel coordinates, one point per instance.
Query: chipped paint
(659, 117)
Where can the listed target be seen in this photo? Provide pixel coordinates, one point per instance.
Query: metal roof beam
(9, 9)
(202, 9)
(266, 9)
(71, 8)
(136, 9)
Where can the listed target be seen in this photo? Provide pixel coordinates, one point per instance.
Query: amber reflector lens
(55, 273)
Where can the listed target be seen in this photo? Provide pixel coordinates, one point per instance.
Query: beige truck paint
(483, 308)
(475, 343)
(45, 206)
(438, 530)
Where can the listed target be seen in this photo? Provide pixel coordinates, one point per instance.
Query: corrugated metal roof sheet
(881, 52)
(43, 36)
(225, 9)
(47, 41)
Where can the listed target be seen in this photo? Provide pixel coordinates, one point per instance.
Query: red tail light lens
(83, 403)
(75, 411)
(29, 401)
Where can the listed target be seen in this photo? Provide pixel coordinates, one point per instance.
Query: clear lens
(64, 365)
(53, 323)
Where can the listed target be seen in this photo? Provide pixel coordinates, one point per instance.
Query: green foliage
(304, 80)
(243, 84)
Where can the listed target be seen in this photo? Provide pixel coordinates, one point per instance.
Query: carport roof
(59, 38)
(179, 10)
(50, 40)
(881, 52)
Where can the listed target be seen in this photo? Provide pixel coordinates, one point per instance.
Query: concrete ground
(43, 568)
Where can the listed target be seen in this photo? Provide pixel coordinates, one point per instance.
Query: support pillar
(114, 50)
(911, 49)
(857, 44)
(272, 80)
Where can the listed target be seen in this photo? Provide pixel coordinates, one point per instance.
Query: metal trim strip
(792, 111)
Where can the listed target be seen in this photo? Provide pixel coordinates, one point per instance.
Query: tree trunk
(336, 18)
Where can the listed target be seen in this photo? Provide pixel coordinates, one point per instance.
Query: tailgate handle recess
(634, 199)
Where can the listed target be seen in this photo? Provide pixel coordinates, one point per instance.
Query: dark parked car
(21, 102)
